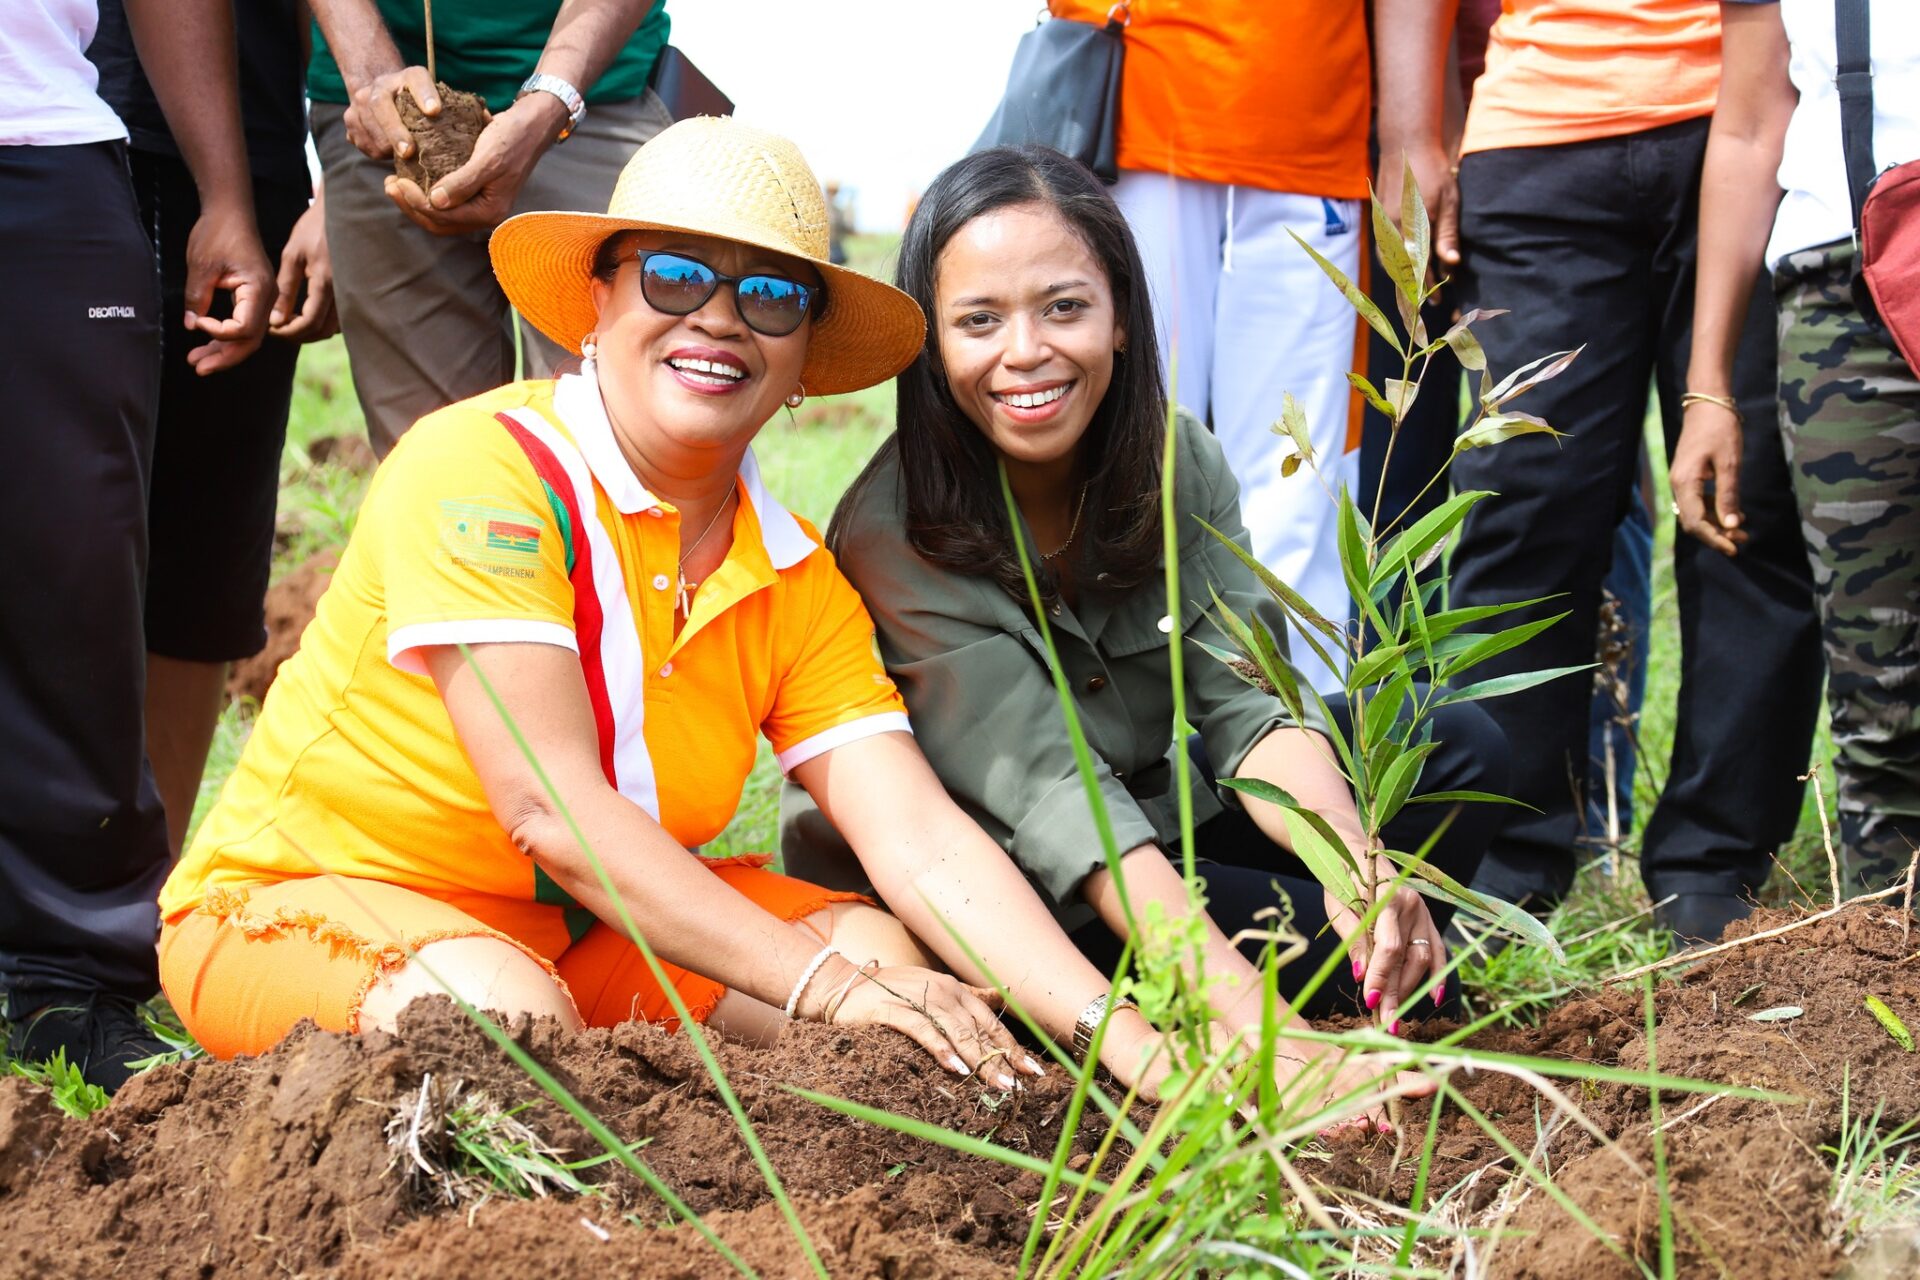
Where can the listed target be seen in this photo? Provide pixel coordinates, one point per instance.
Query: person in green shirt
(1042, 357)
(566, 84)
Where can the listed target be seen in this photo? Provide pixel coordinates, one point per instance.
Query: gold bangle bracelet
(1706, 397)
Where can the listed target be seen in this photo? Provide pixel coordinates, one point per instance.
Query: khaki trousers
(425, 322)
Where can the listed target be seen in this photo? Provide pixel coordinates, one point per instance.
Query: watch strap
(541, 82)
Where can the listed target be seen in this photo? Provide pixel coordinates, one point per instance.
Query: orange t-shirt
(1274, 94)
(1573, 70)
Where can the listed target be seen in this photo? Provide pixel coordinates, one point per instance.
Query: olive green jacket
(973, 669)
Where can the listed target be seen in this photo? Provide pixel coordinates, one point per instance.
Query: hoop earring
(798, 398)
(589, 347)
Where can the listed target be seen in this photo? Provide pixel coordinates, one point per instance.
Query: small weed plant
(70, 1090)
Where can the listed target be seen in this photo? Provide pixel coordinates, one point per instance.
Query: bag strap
(1852, 32)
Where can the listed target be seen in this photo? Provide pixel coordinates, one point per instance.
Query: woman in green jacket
(1042, 357)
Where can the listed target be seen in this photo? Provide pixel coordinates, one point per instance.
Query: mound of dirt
(444, 142)
(290, 605)
(281, 1164)
(1749, 1186)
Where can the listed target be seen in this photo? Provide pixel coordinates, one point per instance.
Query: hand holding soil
(373, 119)
(478, 194)
(943, 1015)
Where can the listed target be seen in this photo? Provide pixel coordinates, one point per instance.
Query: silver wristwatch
(541, 82)
(1090, 1019)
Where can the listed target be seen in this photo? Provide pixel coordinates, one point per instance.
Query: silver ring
(1420, 942)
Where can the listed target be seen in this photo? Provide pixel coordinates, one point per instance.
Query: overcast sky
(879, 94)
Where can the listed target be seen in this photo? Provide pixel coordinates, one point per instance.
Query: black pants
(1241, 866)
(216, 465)
(1593, 243)
(83, 846)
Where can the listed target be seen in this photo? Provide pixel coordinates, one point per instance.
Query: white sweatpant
(1251, 316)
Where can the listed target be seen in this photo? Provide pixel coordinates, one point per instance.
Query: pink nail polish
(1393, 1028)
(1358, 970)
(1373, 999)
(1384, 1127)
(1439, 995)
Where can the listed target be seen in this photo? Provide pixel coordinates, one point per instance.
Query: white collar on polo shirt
(576, 398)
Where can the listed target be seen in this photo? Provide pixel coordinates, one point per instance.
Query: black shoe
(102, 1034)
(1696, 919)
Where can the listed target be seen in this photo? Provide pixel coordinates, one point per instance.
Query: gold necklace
(687, 588)
(1072, 529)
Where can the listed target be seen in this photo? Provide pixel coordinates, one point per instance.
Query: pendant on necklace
(686, 590)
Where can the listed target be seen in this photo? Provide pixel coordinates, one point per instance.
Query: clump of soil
(281, 1164)
(290, 605)
(1748, 1183)
(441, 143)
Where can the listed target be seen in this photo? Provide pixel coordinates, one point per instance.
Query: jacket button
(1096, 684)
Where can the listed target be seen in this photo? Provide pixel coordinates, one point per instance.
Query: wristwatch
(541, 82)
(1090, 1019)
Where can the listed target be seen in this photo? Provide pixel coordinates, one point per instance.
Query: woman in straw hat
(537, 679)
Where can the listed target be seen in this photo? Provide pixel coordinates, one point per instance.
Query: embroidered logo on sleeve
(479, 533)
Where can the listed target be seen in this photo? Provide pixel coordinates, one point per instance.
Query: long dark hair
(955, 516)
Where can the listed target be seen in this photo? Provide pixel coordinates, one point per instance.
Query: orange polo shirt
(1273, 94)
(1574, 70)
(353, 766)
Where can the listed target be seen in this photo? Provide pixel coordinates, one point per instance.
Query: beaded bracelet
(806, 976)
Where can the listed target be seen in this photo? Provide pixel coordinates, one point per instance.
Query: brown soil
(280, 1164)
(444, 142)
(352, 453)
(1748, 1183)
(290, 605)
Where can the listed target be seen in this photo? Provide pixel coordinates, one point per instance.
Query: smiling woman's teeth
(1035, 399)
(711, 372)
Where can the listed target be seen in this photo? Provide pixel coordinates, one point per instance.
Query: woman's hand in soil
(224, 255)
(1402, 952)
(305, 261)
(479, 195)
(943, 1015)
(373, 121)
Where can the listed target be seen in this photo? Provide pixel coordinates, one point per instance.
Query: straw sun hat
(713, 176)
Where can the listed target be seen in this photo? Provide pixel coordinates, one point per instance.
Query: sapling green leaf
(1355, 297)
(1514, 683)
(1384, 707)
(1497, 643)
(1293, 424)
(1373, 395)
(1527, 376)
(1468, 797)
(1498, 427)
(1414, 225)
(1423, 534)
(1396, 263)
(1397, 783)
(1376, 666)
(1436, 883)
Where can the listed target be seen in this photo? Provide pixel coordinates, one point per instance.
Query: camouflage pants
(1850, 411)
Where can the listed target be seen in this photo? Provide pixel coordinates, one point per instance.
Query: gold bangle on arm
(1706, 397)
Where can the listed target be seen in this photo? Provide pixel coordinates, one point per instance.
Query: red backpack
(1886, 206)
